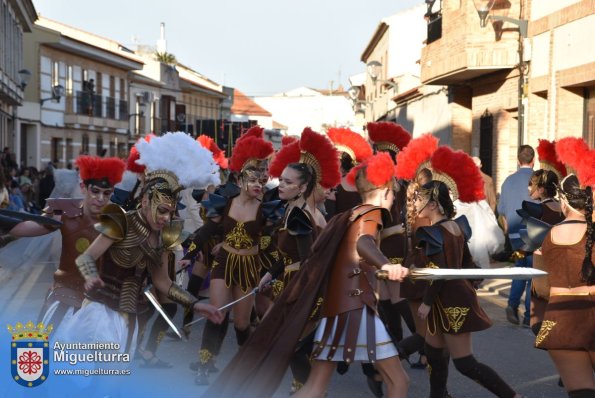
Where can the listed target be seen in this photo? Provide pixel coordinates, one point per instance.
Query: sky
(261, 47)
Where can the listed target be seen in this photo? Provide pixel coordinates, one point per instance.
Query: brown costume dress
(78, 231)
(350, 324)
(569, 320)
(551, 214)
(242, 270)
(455, 307)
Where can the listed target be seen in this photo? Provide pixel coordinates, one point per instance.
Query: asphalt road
(505, 347)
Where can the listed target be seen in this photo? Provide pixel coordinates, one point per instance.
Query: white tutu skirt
(486, 238)
(47, 317)
(97, 323)
(385, 347)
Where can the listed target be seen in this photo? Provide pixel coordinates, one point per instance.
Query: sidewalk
(500, 287)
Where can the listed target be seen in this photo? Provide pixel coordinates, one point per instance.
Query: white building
(307, 107)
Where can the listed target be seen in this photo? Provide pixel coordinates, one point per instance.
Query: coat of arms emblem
(29, 353)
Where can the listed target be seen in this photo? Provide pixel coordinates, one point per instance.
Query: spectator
(514, 191)
(6, 159)
(17, 203)
(4, 195)
(46, 185)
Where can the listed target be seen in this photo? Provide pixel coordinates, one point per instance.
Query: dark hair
(545, 179)
(582, 199)
(425, 174)
(307, 176)
(346, 162)
(526, 154)
(443, 198)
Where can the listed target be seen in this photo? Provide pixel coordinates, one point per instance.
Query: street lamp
(353, 92)
(373, 68)
(57, 93)
(484, 7)
(24, 76)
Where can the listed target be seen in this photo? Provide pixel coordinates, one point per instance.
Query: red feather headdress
(458, 171)
(103, 172)
(218, 155)
(289, 139)
(412, 158)
(576, 155)
(548, 160)
(315, 150)
(133, 156)
(289, 153)
(254, 131)
(351, 143)
(320, 153)
(249, 151)
(388, 136)
(379, 170)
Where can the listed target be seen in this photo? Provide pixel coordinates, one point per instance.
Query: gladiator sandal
(202, 373)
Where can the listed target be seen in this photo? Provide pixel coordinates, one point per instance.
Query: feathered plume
(96, 168)
(316, 148)
(131, 164)
(247, 148)
(350, 142)
(458, 171)
(181, 155)
(218, 155)
(546, 151)
(254, 131)
(576, 155)
(288, 139)
(388, 135)
(289, 153)
(418, 151)
(379, 170)
(571, 150)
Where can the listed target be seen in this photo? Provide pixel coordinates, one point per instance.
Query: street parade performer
(78, 216)
(332, 285)
(451, 306)
(354, 150)
(133, 245)
(569, 320)
(305, 169)
(237, 266)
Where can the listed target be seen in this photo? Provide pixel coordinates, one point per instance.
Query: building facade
(16, 21)
(527, 74)
(77, 102)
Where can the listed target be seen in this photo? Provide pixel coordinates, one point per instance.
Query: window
(99, 145)
(55, 73)
(69, 79)
(56, 151)
(85, 144)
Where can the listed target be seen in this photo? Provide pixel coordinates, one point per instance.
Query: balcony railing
(93, 105)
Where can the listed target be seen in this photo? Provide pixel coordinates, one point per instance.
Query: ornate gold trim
(347, 150)
(544, 331)
(386, 145)
(309, 159)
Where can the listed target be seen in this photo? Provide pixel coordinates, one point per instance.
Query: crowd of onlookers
(23, 189)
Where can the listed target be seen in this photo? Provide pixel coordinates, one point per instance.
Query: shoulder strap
(299, 222)
(112, 222)
(430, 238)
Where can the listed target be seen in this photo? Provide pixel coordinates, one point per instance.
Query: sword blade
(479, 273)
(469, 273)
(29, 217)
(254, 291)
(159, 308)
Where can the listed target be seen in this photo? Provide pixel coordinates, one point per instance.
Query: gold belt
(242, 252)
(571, 294)
(292, 267)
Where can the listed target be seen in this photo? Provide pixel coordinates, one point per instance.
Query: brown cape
(260, 365)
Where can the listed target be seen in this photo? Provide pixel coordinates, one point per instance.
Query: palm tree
(166, 58)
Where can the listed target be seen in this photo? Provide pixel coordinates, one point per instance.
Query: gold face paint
(158, 198)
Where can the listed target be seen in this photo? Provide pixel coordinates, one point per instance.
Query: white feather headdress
(180, 154)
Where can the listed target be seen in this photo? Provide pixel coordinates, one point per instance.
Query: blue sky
(261, 47)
